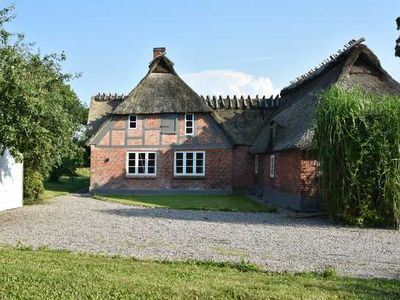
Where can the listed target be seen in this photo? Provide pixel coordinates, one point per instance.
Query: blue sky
(218, 46)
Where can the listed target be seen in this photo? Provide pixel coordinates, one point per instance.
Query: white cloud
(229, 82)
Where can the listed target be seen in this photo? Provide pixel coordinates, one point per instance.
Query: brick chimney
(158, 51)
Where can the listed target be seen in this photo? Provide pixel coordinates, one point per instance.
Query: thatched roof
(161, 91)
(101, 107)
(243, 118)
(353, 66)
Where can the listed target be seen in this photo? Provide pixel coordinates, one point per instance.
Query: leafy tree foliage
(397, 48)
(39, 112)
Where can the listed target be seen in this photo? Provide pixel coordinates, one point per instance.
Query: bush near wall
(358, 142)
(33, 186)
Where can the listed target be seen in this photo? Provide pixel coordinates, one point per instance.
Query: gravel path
(270, 240)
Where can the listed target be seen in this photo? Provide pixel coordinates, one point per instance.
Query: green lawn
(67, 184)
(197, 202)
(45, 274)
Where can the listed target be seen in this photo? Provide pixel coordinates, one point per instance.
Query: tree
(397, 48)
(38, 109)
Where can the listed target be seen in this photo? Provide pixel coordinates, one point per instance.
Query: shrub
(358, 143)
(33, 186)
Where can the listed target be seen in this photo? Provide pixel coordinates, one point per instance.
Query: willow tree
(37, 107)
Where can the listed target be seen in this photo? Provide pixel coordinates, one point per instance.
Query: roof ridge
(326, 62)
(241, 102)
(109, 97)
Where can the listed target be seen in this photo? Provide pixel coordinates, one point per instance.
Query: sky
(219, 47)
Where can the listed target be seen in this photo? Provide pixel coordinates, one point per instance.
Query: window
(189, 124)
(272, 166)
(256, 164)
(132, 121)
(141, 163)
(189, 163)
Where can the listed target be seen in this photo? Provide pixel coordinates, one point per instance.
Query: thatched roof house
(163, 132)
(354, 66)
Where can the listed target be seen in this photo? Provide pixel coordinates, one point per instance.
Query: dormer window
(189, 124)
(132, 121)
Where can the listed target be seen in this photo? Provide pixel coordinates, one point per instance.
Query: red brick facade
(227, 168)
(287, 177)
(295, 174)
(108, 170)
(109, 155)
(243, 169)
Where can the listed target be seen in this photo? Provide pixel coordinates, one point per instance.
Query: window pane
(189, 170)
(131, 170)
(152, 156)
(179, 170)
(199, 155)
(131, 155)
(142, 163)
(199, 163)
(132, 121)
(189, 130)
(131, 164)
(151, 170)
(189, 155)
(151, 163)
(199, 170)
(179, 155)
(179, 163)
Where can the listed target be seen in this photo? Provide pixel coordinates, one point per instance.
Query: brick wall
(295, 183)
(148, 133)
(287, 172)
(309, 177)
(243, 168)
(108, 168)
(108, 156)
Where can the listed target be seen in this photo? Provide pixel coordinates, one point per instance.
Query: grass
(195, 202)
(49, 274)
(67, 184)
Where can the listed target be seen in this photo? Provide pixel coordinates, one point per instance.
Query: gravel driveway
(270, 240)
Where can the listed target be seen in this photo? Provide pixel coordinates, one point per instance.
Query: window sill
(141, 176)
(189, 177)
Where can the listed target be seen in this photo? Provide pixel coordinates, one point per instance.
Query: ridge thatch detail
(161, 91)
(217, 103)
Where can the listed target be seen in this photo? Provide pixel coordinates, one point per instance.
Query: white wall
(11, 180)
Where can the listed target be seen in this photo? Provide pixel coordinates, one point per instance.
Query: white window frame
(146, 166)
(194, 173)
(272, 166)
(256, 164)
(132, 122)
(189, 120)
